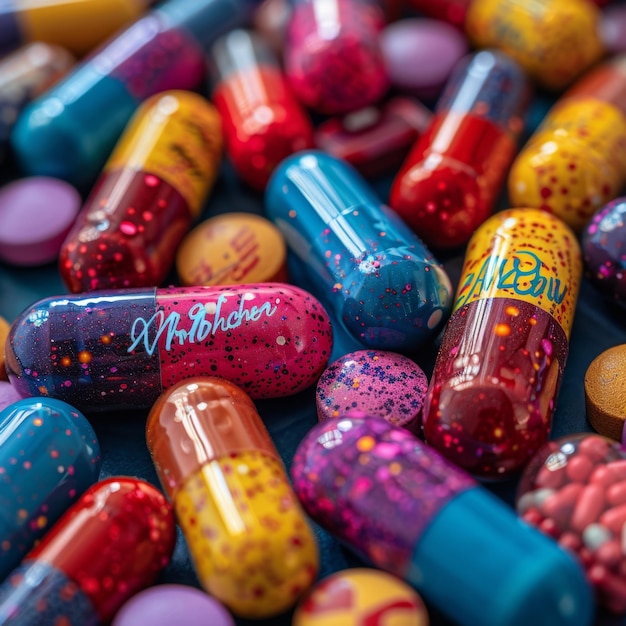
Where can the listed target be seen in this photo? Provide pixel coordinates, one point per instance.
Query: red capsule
(614, 518)
(560, 505)
(579, 468)
(588, 507)
(616, 494)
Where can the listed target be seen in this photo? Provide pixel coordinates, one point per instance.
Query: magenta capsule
(333, 56)
(122, 348)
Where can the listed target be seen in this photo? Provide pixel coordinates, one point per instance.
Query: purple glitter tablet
(383, 384)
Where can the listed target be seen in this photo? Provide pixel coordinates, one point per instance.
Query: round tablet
(361, 597)
(5, 327)
(8, 395)
(605, 392)
(373, 382)
(232, 249)
(421, 53)
(36, 214)
(167, 605)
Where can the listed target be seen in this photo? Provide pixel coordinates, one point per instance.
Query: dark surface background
(598, 326)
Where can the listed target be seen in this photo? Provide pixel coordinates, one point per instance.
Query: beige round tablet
(605, 392)
(232, 249)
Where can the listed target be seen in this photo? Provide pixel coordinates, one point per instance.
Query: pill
(8, 394)
(4, 333)
(594, 535)
(496, 378)
(596, 448)
(113, 542)
(579, 468)
(551, 475)
(49, 455)
(359, 596)
(78, 26)
(605, 392)
(69, 132)
(375, 140)
(384, 285)
(153, 186)
(609, 553)
(168, 604)
(121, 349)
(575, 162)
(616, 493)
(263, 120)
(420, 54)
(560, 505)
(588, 506)
(603, 243)
(361, 479)
(614, 518)
(569, 541)
(230, 249)
(450, 181)
(36, 214)
(248, 537)
(374, 382)
(332, 54)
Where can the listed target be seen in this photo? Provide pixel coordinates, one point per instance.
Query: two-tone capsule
(383, 283)
(249, 539)
(122, 348)
(152, 187)
(495, 382)
(108, 546)
(450, 182)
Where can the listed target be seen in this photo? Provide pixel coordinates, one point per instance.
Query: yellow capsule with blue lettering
(494, 387)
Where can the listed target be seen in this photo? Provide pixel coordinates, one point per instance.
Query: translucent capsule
(249, 539)
(121, 349)
(108, 546)
(451, 180)
(399, 505)
(49, 455)
(70, 130)
(384, 285)
(495, 382)
(263, 120)
(152, 187)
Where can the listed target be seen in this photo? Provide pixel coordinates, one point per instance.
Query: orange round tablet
(232, 249)
(4, 333)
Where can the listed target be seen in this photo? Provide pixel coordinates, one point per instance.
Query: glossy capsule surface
(575, 162)
(71, 130)
(495, 382)
(263, 121)
(333, 57)
(386, 287)
(122, 348)
(152, 187)
(49, 455)
(108, 546)
(451, 180)
(401, 506)
(249, 539)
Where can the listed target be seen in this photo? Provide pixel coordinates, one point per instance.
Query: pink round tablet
(373, 382)
(172, 605)
(420, 54)
(36, 214)
(8, 395)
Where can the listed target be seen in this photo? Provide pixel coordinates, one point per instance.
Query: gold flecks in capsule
(364, 444)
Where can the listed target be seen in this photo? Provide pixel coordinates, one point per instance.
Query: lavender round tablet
(8, 395)
(420, 54)
(168, 605)
(36, 214)
(383, 384)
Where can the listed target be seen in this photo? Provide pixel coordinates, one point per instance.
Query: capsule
(576, 160)
(108, 546)
(153, 186)
(496, 378)
(249, 539)
(451, 180)
(553, 40)
(401, 506)
(263, 120)
(49, 455)
(78, 25)
(385, 286)
(70, 131)
(333, 58)
(120, 349)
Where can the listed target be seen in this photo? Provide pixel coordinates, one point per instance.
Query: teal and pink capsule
(384, 285)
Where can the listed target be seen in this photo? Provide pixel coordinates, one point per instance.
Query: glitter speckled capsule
(122, 348)
(386, 287)
(405, 509)
(49, 455)
(108, 546)
(249, 539)
(493, 390)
